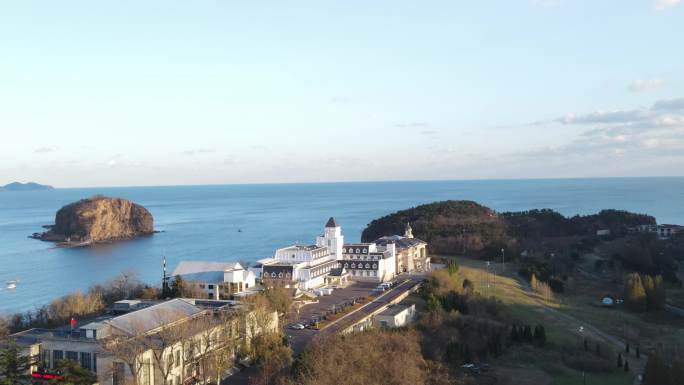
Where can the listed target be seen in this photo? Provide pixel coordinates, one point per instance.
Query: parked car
(297, 326)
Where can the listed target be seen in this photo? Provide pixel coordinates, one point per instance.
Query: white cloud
(45, 150)
(640, 85)
(112, 163)
(663, 4)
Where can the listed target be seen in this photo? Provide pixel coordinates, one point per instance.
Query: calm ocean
(202, 222)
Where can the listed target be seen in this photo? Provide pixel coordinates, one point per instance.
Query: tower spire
(409, 231)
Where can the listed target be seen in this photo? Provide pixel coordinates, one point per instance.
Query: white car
(297, 326)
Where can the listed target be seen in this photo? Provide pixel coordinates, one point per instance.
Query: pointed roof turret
(409, 231)
(331, 223)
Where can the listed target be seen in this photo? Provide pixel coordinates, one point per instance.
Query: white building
(662, 231)
(306, 266)
(395, 316)
(215, 280)
(178, 353)
(369, 262)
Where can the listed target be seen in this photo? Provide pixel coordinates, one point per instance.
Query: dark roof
(331, 223)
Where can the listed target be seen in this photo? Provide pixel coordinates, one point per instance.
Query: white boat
(12, 284)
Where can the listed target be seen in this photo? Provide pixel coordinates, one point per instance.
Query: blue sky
(177, 92)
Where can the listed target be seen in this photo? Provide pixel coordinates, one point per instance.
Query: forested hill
(456, 227)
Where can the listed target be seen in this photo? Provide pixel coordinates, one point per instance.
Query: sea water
(249, 222)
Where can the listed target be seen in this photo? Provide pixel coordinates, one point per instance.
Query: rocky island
(97, 220)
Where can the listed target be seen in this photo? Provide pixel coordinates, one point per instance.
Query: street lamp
(503, 259)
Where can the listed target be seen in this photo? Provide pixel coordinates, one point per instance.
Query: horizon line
(363, 181)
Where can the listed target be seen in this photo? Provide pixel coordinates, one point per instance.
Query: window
(365, 250)
(358, 251)
(375, 265)
(146, 373)
(201, 286)
(73, 356)
(211, 287)
(56, 356)
(45, 358)
(85, 361)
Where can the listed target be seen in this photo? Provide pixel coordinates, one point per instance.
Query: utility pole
(165, 279)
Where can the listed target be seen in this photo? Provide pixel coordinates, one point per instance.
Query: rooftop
(202, 271)
(400, 241)
(396, 309)
(332, 223)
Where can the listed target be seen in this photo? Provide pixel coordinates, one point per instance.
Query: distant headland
(30, 186)
(98, 219)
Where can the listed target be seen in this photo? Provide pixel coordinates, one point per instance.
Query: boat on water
(12, 284)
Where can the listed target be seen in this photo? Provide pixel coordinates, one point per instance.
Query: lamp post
(503, 259)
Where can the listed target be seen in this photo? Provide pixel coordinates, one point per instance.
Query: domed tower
(332, 238)
(409, 231)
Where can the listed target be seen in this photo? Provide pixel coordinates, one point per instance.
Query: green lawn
(562, 334)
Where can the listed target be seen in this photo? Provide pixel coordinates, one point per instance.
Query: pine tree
(635, 295)
(534, 283)
(74, 374)
(649, 289)
(527, 334)
(619, 360)
(540, 335)
(14, 366)
(514, 334)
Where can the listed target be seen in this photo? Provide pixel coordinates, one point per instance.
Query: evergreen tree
(14, 366)
(74, 374)
(539, 335)
(534, 283)
(527, 334)
(649, 289)
(626, 366)
(514, 333)
(635, 295)
(177, 287)
(619, 360)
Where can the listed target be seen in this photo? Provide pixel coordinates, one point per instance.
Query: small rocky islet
(98, 219)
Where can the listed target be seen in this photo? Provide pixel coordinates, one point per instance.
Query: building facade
(368, 262)
(411, 252)
(305, 266)
(164, 343)
(215, 280)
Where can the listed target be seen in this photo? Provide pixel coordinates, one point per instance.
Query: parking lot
(337, 301)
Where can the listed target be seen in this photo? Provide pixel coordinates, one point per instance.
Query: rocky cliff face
(99, 219)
